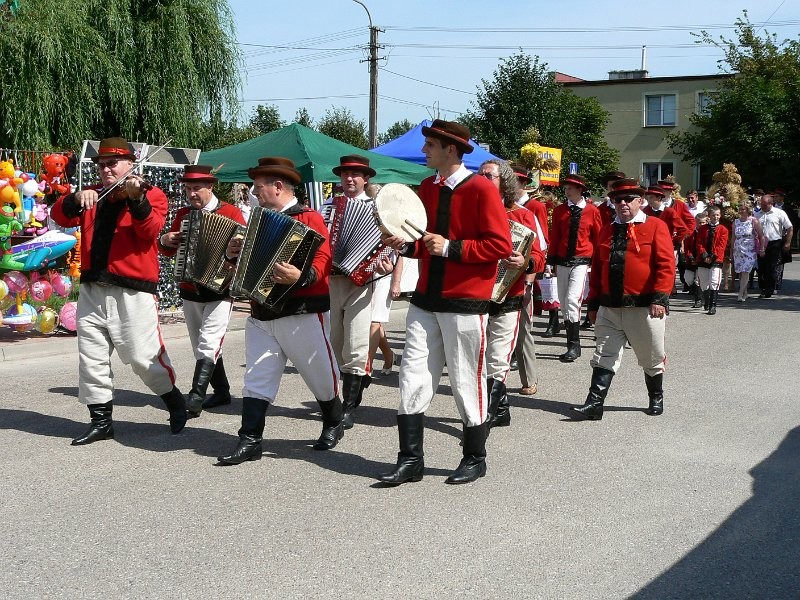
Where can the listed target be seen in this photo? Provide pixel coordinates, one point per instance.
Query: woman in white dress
(747, 241)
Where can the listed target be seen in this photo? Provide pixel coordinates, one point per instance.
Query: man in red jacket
(467, 234)
(206, 312)
(117, 306)
(632, 274)
(573, 237)
(299, 332)
(710, 244)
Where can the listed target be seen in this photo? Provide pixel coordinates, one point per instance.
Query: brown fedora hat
(450, 132)
(612, 176)
(656, 190)
(575, 180)
(276, 166)
(197, 174)
(521, 171)
(355, 163)
(626, 187)
(114, 147)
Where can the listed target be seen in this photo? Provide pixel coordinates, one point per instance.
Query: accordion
(522, 240)
(355, 239)
(272, 237)
(200, 258)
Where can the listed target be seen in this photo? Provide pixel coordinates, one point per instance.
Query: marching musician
(351, 304)
(656, 208)
(633, 269)
(505, 318)
(606, 207)
(573, 237)
(300, 332)
(117, 306)
(446, 322)
(709, 248)
(206, 312)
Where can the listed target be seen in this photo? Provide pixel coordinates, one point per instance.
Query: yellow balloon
(47, 321)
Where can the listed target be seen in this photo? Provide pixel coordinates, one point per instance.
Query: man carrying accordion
(297, 327)
(206, 310)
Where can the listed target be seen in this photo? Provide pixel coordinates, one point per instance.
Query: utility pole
(373, 79)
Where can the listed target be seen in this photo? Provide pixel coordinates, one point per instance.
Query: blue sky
(307, 53)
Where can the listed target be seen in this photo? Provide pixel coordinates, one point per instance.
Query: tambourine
(399, 211)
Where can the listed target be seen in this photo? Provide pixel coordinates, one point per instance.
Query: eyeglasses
(107, 164)
(490, 175)
(625, 199)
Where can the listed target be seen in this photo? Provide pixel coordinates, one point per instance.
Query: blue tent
(409, 147)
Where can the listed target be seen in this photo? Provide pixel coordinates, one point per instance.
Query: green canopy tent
(315, 155)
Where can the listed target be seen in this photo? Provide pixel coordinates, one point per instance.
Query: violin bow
(135, 166)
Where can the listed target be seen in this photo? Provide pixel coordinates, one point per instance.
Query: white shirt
(580, 203)
(457, 177)
(774, 223)
(698, 208)
(212, 204)
(640, 217)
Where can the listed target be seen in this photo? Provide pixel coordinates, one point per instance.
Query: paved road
(701, 502)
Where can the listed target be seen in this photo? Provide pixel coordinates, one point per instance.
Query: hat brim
(362, 168)
(636, 192)
(574, 182)
(209, 179)
(130, 157)
(458, 142)
(291, 175)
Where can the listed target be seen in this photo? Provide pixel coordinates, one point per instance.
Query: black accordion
(272, 237)
(355, 239)
(200, 258)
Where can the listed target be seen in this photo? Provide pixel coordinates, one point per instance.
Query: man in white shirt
(778, 232)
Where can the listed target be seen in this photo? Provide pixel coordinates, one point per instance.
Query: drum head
(394, 205)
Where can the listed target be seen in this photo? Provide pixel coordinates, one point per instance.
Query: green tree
(266, 118)
(395, 131)
(524, 94)
(303, 118)
(341, 124)
(91, 69)
(754, 119)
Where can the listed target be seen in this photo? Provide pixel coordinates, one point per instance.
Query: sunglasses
(625, 199)
(110, 164)
(490, 175)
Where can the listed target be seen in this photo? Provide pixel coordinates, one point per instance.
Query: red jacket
(473, 218)
(683, 214)
(118, 238)
(607, 213)
(677, 228)
(716, 251)
(634, 266)
(689, 249)
(190, 291)
(540, 212)
(525, 217)
(560, 251)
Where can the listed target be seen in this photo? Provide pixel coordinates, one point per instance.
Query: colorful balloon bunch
(21, 316)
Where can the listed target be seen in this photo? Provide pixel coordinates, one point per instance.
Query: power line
(428, 82)
(789, 23)
(302, 98)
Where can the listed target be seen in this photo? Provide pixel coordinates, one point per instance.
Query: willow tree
(145, 69)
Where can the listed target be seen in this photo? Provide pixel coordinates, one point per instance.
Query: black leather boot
(410, 459)
(498, 400)
(573, 343)
(492, 406)
(254, 413)
(553, 325)
(220, 385)
(598, 390)
(203, 369)
(473, 465)
(587, 322)
(706, 300)
(698, 300)
(353, 387)
(712, 302)
(101, 426)
(655, 392)
(177, 409)
(332, 428)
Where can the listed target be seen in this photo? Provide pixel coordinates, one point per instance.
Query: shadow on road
(755, 552)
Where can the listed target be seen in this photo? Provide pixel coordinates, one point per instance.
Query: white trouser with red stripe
(571, 288)
(615, 326)
(501, 335)
(709, 279)
(111, 318)
(302, 339)
(207, 323)
(436, 338)
(351, 316)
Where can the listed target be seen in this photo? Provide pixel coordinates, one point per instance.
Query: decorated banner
(550, 176)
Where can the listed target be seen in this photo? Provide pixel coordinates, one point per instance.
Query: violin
(119, 193)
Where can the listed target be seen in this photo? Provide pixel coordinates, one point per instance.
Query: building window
(659, 110)
(653, 171)
(704, 101)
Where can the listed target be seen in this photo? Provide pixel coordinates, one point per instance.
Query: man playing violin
(117, 306)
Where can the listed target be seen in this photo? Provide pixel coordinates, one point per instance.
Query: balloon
(47, 321)
(69, 316)
(15, 281)
(29, 188)
(3, 289)
(8, 194)
(20, 320)
(62, 284)
(25, 177)
(7, 301)
(41, 290)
